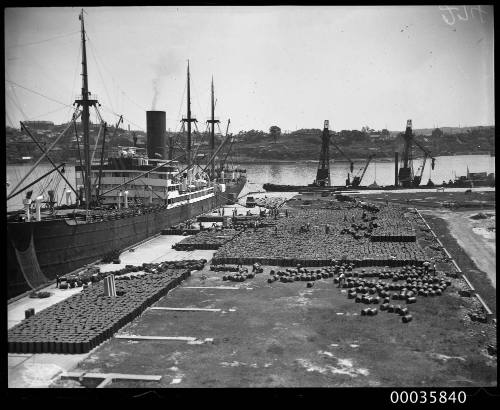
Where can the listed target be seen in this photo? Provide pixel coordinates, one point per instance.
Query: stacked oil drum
(86, 319)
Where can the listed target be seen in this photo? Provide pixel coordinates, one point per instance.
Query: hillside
(254, 145)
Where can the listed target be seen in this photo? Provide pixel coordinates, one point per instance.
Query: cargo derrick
(323, 174)
(356, 181)
(406, 177)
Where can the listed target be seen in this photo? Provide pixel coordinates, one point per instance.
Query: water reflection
(275, 171)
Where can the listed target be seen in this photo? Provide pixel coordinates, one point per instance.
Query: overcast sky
(288, 66)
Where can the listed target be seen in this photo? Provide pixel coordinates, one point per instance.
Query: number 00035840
(424, 396)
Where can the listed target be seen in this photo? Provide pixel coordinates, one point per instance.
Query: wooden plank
(447, 253)
(186, 309)
(456, 266)
(468, 283)
(214, 287)
(111, 376)
(104, 383)
(489, 312)
(174, 338)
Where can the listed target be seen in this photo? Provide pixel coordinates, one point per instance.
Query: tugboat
(110, 206)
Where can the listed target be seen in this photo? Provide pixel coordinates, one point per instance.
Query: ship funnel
(156, 130)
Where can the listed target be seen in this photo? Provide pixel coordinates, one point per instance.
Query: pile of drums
(300, 274)
(417, 282)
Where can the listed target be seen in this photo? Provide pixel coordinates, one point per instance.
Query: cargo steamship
(132, 197)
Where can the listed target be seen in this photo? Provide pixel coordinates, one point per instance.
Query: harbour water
(381, 171)
(293, 173)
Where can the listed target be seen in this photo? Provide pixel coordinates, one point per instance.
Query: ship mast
(212, 121)
(189, 120)
(85, 103)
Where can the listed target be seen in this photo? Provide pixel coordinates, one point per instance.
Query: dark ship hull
(299, 188)
(38, 251)
(306, 188)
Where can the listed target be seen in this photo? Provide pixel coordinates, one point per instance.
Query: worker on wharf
(341, 279)
(58, 280)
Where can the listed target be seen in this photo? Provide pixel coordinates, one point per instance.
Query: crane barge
(406, 177)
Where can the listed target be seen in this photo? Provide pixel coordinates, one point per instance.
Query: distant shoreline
(311, 160)
(247, 160)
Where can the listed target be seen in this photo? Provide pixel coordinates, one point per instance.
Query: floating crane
(323, 173)
(356, 181)
(406, 177)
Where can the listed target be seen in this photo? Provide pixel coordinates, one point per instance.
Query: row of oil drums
(393, 238)
(241, 277)
(223, 268)
(219, 259)
(408, 291)
(300, 274)
(194, 246)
